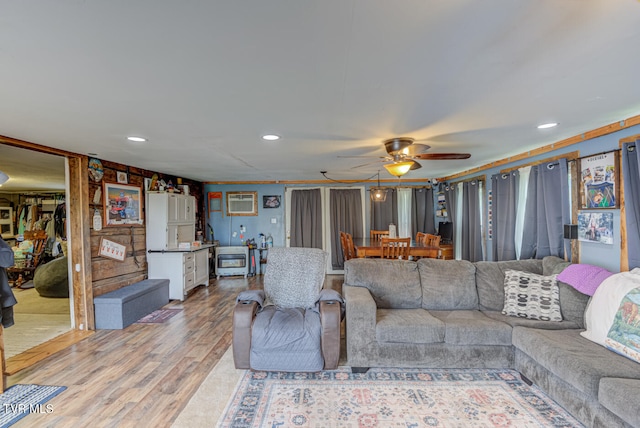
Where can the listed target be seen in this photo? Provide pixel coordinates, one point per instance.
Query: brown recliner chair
(293, 324)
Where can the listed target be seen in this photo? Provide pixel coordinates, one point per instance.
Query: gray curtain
(383, 213)
(547, 211)
(471, 225)
(631, 173)
(504, 187)
(450, 202)
(422, 211)
(346, 216)
(306, 218)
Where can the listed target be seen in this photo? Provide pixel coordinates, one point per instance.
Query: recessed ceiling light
(270, 137)
(547, 125)
(137, 139)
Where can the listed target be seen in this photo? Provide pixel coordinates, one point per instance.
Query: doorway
(35, 195)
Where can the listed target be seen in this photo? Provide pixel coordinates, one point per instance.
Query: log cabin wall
(109, 274)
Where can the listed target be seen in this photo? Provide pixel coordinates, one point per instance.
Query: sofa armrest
(360, 322)
(243, 315)
(330, 318)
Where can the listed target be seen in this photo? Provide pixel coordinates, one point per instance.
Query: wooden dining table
(366, 247)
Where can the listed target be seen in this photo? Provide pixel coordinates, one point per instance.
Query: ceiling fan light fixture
(271, 137)
(399, 168)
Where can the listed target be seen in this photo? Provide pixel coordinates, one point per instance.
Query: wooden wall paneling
(78, 225)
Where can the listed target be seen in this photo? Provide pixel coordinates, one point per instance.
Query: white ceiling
(203, 80)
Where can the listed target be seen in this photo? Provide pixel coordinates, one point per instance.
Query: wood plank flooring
(144, 375)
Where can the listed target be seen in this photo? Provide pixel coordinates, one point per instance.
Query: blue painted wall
(224, 226)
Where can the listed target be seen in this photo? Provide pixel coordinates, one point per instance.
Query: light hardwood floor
(144, 375)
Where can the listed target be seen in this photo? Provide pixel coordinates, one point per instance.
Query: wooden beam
(79, 237)
(37, 147)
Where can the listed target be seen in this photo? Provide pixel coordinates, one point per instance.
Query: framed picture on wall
(215, 201)
(122, 205)
(595, 227)
(271, 201)
(598, 181)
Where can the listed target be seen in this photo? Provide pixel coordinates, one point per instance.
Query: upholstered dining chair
(376, 235)
(292, 325)
(395, 248)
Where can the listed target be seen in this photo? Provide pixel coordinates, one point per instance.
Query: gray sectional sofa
(448, 314)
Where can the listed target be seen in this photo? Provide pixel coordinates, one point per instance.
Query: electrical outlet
(234, 234)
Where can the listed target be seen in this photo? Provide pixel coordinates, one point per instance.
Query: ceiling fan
(403, 153)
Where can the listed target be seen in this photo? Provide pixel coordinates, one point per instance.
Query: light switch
(274, 220)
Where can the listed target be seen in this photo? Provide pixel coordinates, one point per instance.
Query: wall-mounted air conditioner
(242, 203)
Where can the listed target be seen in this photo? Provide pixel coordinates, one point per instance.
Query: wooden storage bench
(121, 308)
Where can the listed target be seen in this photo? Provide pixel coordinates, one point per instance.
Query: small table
(366, 247)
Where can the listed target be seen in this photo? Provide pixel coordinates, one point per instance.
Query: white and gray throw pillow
(532, 296)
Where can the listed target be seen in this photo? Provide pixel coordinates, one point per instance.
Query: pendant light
(378, 194)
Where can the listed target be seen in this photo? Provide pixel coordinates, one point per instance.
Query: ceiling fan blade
(416, 165)
(365, 157)
(416, 149)
(363, 165)
(442, 156)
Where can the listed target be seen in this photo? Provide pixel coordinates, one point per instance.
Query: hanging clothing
(60, 216)
(7, 299)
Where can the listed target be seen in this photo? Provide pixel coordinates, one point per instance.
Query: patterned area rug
(391, 398)
(20, 400)
(159, 316)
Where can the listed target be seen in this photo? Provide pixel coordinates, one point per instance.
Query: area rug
(378, 398)
(20, 400)
(159, 316)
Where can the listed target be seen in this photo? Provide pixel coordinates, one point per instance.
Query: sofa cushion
(525, 322)
(490, 280)
(448, 284)
(532, 296)
(392, 283)
(408, 326)
(572, 304)
(552, 265)
(614, 394)
(473, 328)
(572, 358)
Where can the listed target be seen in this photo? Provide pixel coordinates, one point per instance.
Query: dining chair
(376, 235)
(395, 248)
(431, 240)
(348, 248)
(420, 238)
